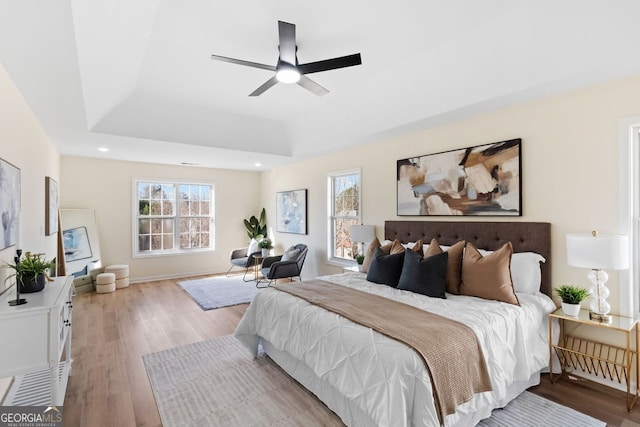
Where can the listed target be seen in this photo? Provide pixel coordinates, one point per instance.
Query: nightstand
(594, 357)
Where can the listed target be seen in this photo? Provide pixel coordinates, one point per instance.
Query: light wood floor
(108, 385)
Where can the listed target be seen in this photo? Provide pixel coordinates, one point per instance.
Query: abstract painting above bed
(482, 180)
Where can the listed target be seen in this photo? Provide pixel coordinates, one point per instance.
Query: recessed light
(257, 164)
(103, 149)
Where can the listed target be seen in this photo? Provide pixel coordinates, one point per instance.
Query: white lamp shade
(600, 252)
(362, 233)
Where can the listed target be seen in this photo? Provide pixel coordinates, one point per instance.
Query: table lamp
(597, 252)
(362, 234)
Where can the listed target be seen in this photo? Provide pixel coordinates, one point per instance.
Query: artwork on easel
(9, 204)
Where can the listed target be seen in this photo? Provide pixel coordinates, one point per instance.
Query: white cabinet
(36, 344)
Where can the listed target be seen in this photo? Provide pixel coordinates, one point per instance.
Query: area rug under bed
(217, 383)
(221, 291)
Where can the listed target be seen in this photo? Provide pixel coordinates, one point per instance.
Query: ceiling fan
(288, 70)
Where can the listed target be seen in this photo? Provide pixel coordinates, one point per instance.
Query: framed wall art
(9, 205)
(291, 212)
(483, 180)
(76, 244)
(51, 206)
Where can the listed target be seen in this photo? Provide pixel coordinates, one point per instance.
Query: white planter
(265, 252)
(571, 309)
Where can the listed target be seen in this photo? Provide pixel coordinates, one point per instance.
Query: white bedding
(385, 380)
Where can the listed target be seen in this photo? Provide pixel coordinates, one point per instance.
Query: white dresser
(35, 342)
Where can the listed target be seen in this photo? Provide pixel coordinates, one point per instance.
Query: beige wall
(24, 144)
(106, 186)
(570, 170)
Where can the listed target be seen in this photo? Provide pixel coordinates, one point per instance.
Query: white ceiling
(136, 75)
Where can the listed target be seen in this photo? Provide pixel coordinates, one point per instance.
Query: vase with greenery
(360, 260)
(266, 245)
(571, 297)
(257, 228)
(31, 272)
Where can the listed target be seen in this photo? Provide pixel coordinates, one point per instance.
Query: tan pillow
(392, 248)
(417, 248)
(488, 277)
(368, 256)
(454, 265)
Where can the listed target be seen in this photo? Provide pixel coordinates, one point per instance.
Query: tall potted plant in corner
(571, 297)
(257, 228)
(30, 272)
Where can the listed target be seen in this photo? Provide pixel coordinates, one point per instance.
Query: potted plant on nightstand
(359, 260)
(571, 297)
(31, 272)
(266, 246)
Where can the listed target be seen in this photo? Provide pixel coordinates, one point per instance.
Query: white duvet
(385, 379)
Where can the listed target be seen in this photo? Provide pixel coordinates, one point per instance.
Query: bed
(370, 379)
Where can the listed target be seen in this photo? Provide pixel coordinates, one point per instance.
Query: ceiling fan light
(287, 74)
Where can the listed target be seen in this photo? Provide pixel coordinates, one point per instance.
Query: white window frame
(176, 229)
(629, 212)
(331, 234)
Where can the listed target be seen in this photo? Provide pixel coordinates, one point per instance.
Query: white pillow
(525, 271)
(290, 254)
(253, 247)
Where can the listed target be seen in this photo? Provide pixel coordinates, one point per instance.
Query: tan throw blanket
(450, 350)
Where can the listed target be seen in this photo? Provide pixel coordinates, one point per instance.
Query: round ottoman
(121, 272)
(105, 282)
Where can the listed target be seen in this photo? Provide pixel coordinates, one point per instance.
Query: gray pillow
(290, 254)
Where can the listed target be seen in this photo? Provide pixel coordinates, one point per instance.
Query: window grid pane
(159, 224)
(345, 197)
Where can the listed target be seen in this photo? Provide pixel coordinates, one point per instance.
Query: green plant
(571, 294)
(265, 244)
(257, 228)
(359, 259)
(31, 264)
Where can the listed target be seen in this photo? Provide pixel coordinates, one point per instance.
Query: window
(629, 155)
(344, 211)
(172, 217)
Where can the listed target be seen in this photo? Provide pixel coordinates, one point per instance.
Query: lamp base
(18, 301)
(603, 318)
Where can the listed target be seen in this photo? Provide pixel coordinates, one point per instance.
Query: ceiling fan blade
(243, 62)
(312, 86)
(287, 35)
(266, 85)
(330, 64)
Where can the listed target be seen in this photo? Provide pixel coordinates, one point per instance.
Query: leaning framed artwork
(483, 180)
(76, 244)
(9, 204)
(291, 211)
(51, 206)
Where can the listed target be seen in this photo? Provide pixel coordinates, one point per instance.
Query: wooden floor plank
(111, 332)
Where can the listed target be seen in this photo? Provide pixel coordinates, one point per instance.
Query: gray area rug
(217, 383)
(220, 291)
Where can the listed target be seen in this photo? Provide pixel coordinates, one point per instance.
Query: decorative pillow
(291, 253)
(454, 266)
(415, 246)
(525, 271)
(389, 247)
(385, 268)
(488, 277)
(425, 276)
(253, 247)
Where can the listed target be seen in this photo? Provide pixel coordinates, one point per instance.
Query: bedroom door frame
(629, 212)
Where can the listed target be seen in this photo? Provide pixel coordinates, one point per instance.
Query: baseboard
(172, 276)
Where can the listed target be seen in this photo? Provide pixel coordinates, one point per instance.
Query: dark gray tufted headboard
(524, 236)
